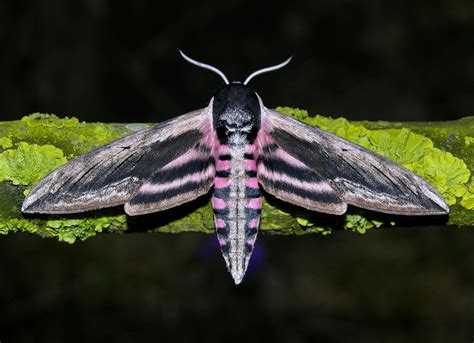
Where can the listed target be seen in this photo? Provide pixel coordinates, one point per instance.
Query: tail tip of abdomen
(237, 276)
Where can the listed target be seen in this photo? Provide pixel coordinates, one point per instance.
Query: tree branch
(441, 152)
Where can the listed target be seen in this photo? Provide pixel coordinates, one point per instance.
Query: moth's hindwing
(183, 179)
(290, 180)
(358, 176)
(112, 174)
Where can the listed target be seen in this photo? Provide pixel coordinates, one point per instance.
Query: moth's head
(236, 107)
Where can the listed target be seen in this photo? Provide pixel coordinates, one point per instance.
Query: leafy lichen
(64, 229)
(310, 227)
(468, 197)
(5, 143)
(200, 219)
(28, 163)
(49, 120)
(447, 173)
(360, 224)
(68, 230)
(15, 225)
(73, 136)
(468, 140)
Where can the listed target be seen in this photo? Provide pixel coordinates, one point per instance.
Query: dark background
(117, 61)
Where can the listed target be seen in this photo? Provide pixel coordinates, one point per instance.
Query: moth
(235, 147)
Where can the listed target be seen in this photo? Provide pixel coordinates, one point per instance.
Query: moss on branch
(441, 152)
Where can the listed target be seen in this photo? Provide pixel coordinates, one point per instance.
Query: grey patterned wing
(359, 176)
(110, 175)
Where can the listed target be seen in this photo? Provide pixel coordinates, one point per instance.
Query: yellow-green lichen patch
(468, 197)
(272, 220)
(290, 220)
(64, 229)
(304, 222)
(322, 230)
(15, 225)
(416, 152)
(310, 227)
(296, 113)
(68, 230)
(198, 220)
(447, 173)
(72, 136)
(5, 143)
(468, 140)
(94, 136)
(339, 126)
(49, 120)
(28, 163)
(400, 145)
(357, 223)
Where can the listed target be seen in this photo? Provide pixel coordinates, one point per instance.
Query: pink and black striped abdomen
(237, 204)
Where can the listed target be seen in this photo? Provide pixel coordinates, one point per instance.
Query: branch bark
(441, 152)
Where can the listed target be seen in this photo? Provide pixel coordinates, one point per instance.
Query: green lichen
(468, 197)
(447, 173)
(199, 220)
(357, 223)
(66, 229)
(310, 227)
(15, 225)
(304, 222)
(317, 229)
(400, 145)
(5, 143)
(468, 140)
(284, 213)
(102, 134)
(72, 136)
(296, 113)
(49, 120)
(305, 225)
(28, 163)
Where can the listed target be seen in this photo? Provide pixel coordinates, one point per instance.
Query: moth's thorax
(236, 109)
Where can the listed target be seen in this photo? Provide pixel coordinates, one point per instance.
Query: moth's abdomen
(237, 204)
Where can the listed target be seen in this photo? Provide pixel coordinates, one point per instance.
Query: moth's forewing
(110, 175)
(359, 176)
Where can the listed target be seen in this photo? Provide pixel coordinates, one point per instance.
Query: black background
(117, 61)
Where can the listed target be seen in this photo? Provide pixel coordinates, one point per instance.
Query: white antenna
(266, 70)
(205, 66)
